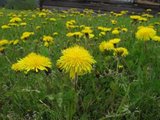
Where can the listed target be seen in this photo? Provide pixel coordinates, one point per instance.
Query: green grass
(104, 94)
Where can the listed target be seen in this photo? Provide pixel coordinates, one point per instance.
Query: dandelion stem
(117, 59)
(48, 84)
(8, 59)
(75, 82)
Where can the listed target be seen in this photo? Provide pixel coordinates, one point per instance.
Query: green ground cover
(122, 85)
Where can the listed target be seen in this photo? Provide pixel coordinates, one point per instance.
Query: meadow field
(72, 65)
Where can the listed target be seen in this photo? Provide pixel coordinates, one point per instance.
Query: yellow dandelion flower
(77, 34)
(23, 24)
(90, 36)
(55, 33)
(135, 17)
(4, 42)
(74, 34)
(26, 35)
(87, 30)
(138, 18)
(32, 62)
(52, 19)
(38, 27)
(147, 15)
(13, 24)
(156, 38)
(145, 33)
(19, 66)
(5, 27)
(115, 40)
(113, 22)
(15, 20)
(115, 32)
(102, 34)
(69, 34)
(42, 14)
(118, 14)
(142, 19)
(14, 42)
(106, 46)
(46, 44)
(70, 24)
(105, 29)
(120, 66)
(124, 29)
(76, 61)
(48, 40)
(124, 12)
(120, 52)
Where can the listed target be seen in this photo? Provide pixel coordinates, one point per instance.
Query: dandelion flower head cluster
(32, 62)
(121, 51)
(76, 61)
(26, 35)
(48, 40)
(106, 46)
(145, 33)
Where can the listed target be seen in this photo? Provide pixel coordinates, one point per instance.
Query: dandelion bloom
(76, 61)
(14, 42)
(115, 32)
(75, 34)
(113, 22)
(38, 27)
(147, 15)
(48, 40)
(15, 20)
(70, 34)
(23, 24)
(87, 30)
(70, 24)
(52, 19)
(26, 35)
(124, 29)
(145, 33)
(105, 29)
(42, 14)
(135, 17)
(156, 38)
(143, 19)
(102, 34)
(106, 46)
(120, 52)
(55, 33)
(32, 61)
(4, 42)
(115, 40)
(13, 24)
(138, 18)
(5, 27)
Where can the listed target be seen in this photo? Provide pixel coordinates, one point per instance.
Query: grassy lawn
(121, 83)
